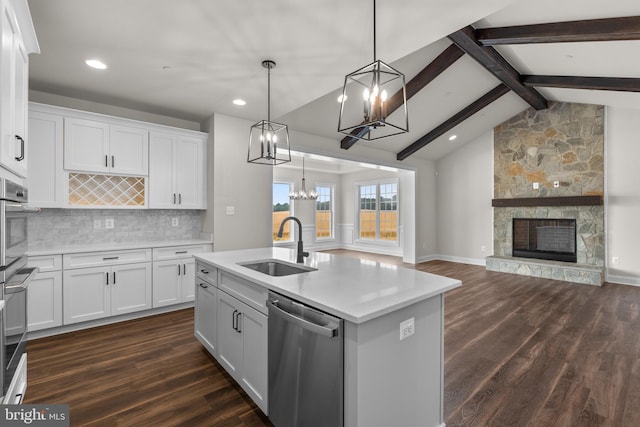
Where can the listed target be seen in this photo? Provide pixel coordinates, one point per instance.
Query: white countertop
(100, 247)
(353, 289)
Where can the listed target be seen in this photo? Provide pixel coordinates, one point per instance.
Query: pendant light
(373, 103)
(269, 141)
(302, 194)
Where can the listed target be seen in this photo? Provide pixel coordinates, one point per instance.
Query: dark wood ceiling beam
(626, 28)
(455, 120)
(490, 59)
(443, 61)
(623, 84)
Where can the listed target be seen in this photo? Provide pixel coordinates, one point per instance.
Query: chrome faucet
(301, 252)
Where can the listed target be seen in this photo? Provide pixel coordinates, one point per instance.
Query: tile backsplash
(63, 227)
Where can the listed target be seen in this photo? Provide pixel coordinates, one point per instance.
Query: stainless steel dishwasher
(306, 365)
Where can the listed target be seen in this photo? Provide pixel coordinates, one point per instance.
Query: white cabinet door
(254, 356)
(187, 280)
(206, 315)
(86, 294)
(229, 337)
(86, 145)
(47, 181)
(44, 301)
(166, 289)
(13, 94)
(130, 288)
(161, 171)
(128, 150)
(189, 172)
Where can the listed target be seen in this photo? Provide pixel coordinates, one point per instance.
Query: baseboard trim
(622, 280)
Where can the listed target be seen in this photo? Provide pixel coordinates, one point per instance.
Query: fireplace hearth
(550, 239)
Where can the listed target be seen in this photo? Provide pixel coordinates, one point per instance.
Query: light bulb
(274, 138)
(383, 95)
(365, 94)
(375, 91)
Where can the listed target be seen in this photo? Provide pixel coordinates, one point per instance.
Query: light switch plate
(231, 210)
(174, 221)
(536, 185)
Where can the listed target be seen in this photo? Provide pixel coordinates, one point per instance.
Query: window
(378, 211)
(281, 210)
(324, 212)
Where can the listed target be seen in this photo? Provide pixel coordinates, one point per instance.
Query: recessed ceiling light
(96, 63)
(239, 102)
(452, 137)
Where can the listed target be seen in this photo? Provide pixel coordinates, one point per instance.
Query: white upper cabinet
(14, 77)
(96, 146)
(177, 171)
(47, 181)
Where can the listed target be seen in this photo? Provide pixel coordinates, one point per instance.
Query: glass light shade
(269, 143)
(374, 103)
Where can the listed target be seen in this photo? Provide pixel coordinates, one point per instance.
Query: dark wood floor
(518, 351)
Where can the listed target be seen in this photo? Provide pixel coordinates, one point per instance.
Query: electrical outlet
(615, 260)
(97, 224)
(109, 223)
(556, 184)
(231, 210)
(536, 185)
(407, 328)
(174, 221)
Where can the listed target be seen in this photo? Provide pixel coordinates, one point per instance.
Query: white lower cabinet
(206, 313)
(242, 346)
(173, 281)
(44, 295)
(97, 292)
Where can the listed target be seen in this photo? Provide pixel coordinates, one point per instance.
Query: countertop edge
(116, 247)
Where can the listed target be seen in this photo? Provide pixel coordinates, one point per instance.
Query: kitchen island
(393, 328)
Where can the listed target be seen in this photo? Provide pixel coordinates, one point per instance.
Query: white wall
(244, 186)
(464, 193)
(622, 190)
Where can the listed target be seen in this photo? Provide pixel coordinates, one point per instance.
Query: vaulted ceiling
(190, 59)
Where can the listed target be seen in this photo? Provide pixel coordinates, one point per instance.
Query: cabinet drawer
(253, 295)
(46, 262)
(207, 273)
(98, 259)
(173, 252)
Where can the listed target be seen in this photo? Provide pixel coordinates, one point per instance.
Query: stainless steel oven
(14, 277)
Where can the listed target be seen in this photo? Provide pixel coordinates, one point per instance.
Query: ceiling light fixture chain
(269, 141)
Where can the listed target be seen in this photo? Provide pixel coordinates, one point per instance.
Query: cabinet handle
(178, 269)
(113, 161)
(109, 258)
(203, 286)
(204, 271)
(238, 322)
(184, 269)
(106, 161)
(107, 278)
(114, 277)
(233, 320)
(181, 252)
(21, 156)
(174, 198)
(179, 198)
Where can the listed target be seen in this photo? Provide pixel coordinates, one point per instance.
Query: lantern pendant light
(302, 193)
(269, 141)
(373, 104)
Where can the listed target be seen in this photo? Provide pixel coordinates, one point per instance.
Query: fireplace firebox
(552, 239)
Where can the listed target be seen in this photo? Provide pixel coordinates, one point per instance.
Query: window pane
(281, 210)
(324, 229)
(368, 208)
(389, 211)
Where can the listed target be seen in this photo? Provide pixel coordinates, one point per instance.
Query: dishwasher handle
(303, 323)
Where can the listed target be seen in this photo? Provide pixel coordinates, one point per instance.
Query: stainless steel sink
(274, 267)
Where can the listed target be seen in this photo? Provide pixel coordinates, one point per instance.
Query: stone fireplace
(561, 152)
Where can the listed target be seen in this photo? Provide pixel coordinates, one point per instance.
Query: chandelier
(302, 194)
(373, 103)
(269, 141)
